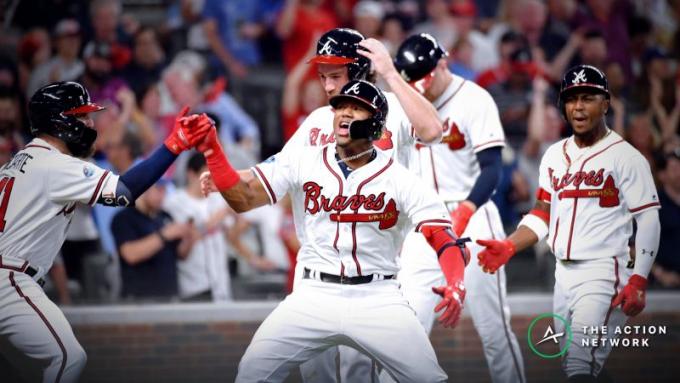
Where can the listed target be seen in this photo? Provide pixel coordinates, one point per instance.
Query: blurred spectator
(232, 29)
(10, 122)
(65, 65)
(109, 24)
(34, 50)
(368, 16)
(148, 60)
(460, 61)
(439, 23)
(512, 189)
(81, 244)
(149, 245)
(641, 134)
(640, 30)
(302, 94)
(99, 76)
(300, 24)
(618, 103)
(513, 97)
(203, 274)
(666, 269)
(184, 27)
(611, 18)
(393, 32)
(510, 43)
(482, 50)
(593, 49)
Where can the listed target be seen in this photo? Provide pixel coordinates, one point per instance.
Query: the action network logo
(543, 338)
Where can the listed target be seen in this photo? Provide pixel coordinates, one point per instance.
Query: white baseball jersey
(40, 187)
(205, 269)
(471, 124)
(355, 225)
(593, 192)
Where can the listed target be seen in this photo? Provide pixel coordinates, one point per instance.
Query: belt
(343, 280)
(25, 268)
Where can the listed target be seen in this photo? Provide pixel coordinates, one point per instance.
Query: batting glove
(496, 254)
(187, 132)
(453, 296)
(632, 297)
(460, 218)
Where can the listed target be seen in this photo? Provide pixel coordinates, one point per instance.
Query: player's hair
(196, 162)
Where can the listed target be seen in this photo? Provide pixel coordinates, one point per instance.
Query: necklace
(355, 156)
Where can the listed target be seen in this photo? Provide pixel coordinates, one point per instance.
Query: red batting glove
(496, 254)
(632, 296)
(223, 174)
(187, 132)
(460, 218)
(453, 296)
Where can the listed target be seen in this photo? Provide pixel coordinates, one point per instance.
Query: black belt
(32, 272)
(343, 280)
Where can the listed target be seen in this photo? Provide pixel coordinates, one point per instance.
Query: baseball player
(342, 55)
(464, 169)
(348, 293)
(39, 190)
(603, 180)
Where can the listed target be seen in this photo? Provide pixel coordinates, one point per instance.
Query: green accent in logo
(567, 328)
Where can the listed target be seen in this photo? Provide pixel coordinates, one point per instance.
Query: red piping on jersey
(606, 318)
(99, 185)
(354, 224)
(557, 230)
(47, 323)
(437, 221)
(266, 184)
(337, 226)
(500, 306)
(643, 207)
(36, 146)
(573, 214)
(455, 92)
(20, 269)
(487, 143)
(434, 173)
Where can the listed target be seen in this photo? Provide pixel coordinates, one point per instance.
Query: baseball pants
(583, 294)
(374, 318)
(34, 334)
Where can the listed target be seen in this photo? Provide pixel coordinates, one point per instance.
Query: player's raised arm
(242, 192)
(531, 229)
(420, 112)
(187, 132)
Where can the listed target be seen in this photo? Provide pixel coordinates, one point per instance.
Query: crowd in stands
(144, 70)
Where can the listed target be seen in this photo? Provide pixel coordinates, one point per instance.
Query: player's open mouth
(343, 129)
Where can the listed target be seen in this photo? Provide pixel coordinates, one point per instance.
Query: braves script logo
(608, 195)
(326, 48)
(315, 134)
(315, 202)
(580, 77)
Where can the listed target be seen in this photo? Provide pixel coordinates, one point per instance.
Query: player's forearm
(522, 238)
(420, 112)
(287, 20)
(646, 241)
(242, 197)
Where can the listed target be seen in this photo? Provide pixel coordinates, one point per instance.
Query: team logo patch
(88, 171)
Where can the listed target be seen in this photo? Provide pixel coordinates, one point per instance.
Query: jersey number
(6, 184)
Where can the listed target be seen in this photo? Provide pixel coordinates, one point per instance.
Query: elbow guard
(442, 239)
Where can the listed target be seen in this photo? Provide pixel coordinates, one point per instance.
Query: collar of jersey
(379, 161)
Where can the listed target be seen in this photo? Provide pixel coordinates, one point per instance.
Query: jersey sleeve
(422, 204)
(484, 124)
(278, 173)
(637, 185)
(75, 180)
(545, 190)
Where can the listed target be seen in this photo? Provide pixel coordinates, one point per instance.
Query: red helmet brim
(84, 109)
(337, 60)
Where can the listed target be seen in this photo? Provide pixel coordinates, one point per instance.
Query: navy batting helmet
(339, 46)
(418, 56)
(579, 78)
(53, 110)
(370, 97)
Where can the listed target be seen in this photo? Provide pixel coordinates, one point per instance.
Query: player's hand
(452, 303)
(188, 131)
(496, 254)
(207, 184)
(461, 217)
(632, 297)
(375, 51)
(209, 143)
